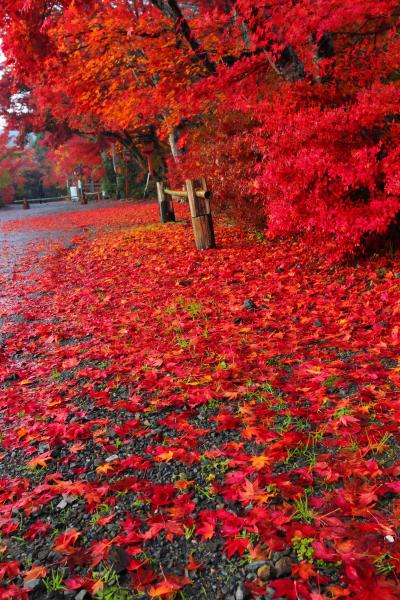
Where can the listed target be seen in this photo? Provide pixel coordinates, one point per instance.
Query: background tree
(16, 165)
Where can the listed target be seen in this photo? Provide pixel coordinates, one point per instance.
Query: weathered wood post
(167, 213)
(200, 210)
(25, 204)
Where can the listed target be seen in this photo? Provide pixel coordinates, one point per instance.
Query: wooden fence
(200, 210)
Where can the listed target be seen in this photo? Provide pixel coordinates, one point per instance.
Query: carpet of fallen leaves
(178, 424)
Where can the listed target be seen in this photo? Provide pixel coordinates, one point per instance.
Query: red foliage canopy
(289, 105)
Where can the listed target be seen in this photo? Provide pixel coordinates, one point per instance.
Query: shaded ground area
(188, 425)
(15, 241)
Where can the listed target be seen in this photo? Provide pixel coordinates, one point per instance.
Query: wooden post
(25, 204)
(200, 210)
(167, 213)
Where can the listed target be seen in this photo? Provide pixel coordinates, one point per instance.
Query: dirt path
(15, 243)
(23, 237)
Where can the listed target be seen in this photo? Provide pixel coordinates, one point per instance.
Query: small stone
(42, 555)
(43, 447)
(249, 304)
(111, 458)
(56, 451)
(118, 558)
(32, 584)
(264, 572)
(81, 595)
(69, 499)
(61, 505)
(239, 595)
(389, 538)
(253, 566)
(283, 567)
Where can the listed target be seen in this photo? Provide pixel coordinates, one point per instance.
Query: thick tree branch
(172, 11)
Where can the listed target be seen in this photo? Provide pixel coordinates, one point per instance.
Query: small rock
(283, 567)
(61, 505)
(43, 447)
(253, 566)
(389, 538)
(81, 595)
(249, 304)
(32, 584)
(111, 458)
(264, 572)
(42, 555)
(56, 451)
(118, 558)
(69, 499)
(239, 595)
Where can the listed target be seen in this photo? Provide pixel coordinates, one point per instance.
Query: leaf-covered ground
(188, 425)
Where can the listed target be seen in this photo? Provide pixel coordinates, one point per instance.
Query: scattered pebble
(32, 584)
(111, 458)
(264, 572)
(283, 567)
(249, 304)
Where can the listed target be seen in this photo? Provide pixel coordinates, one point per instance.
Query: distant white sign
(73, 190)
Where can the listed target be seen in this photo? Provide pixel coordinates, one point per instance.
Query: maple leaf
(74, 583)
(238, 545)
(206, 530)
(251, 492)
(171, 584)
(35, 573)
(99, 551)
(104, 469)
(9, 569)
(95, 587)
(39, 461)
(259, 462)
(304, 570)
(338, 592)
(106, 519)
(165, 456)
(256, 552)
(38, 528)
(193, 564)
(65, 543)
